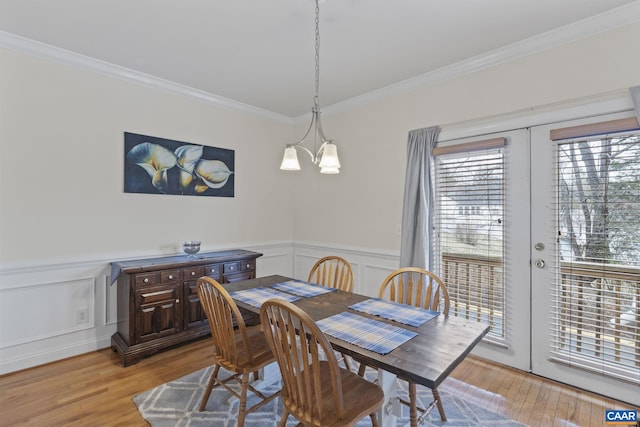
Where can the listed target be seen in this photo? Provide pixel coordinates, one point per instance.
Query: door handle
(540, 263)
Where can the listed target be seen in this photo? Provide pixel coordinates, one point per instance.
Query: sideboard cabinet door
(158, 312)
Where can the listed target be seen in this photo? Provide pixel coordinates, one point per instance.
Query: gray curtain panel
(417, 212)
(635, 96)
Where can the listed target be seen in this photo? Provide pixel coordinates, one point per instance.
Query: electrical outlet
(82, 315)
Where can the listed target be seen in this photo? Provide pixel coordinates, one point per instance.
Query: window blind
(469, 228)
(595, 312)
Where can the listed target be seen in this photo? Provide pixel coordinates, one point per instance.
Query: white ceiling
(261, 52)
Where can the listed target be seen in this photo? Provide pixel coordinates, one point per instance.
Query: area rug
(175, 404)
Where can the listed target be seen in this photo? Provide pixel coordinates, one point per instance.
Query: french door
(585, 275)
(563, 317)
(482, 249)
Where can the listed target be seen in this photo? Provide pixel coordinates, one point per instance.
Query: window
(469, 230)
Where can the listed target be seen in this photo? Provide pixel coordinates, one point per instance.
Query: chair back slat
(334, 272)
(410, 294)
(417, 287)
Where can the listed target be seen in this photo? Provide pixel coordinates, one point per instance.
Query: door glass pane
(469, 234)
(597, 289)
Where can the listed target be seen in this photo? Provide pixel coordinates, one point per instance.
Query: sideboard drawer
(243, 275)
(213, 270)
(231, 267)
(248, 265)
(169, 276)
(146, 279)
(193, 273)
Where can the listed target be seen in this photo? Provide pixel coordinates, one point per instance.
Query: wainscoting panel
(373, 275)
(50, 312)
(275, 259)
(59, 308)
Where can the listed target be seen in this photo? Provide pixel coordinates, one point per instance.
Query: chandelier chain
(315, 99)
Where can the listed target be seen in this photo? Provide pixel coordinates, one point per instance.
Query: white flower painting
(162, 166)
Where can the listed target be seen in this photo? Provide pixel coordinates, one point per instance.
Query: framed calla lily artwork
(155, 165)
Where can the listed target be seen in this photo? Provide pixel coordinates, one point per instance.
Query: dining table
(433, 349)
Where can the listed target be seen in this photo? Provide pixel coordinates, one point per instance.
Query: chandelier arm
(323, 139)
(306, 134)
(314, 158)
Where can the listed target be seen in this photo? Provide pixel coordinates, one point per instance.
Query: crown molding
(52, 53)
(615, 18)
(590, 106)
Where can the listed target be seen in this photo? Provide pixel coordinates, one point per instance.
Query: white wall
(362, 206)
(64, 216)
(62, 168)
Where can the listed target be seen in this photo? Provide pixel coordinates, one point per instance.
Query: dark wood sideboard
(158, 305)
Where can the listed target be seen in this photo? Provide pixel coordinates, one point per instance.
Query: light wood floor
(94, 390)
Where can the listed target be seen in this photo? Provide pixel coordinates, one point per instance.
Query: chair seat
(260, 350)
(360, 396)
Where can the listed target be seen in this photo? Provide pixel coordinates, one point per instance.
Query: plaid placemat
(409, 315)
(364, 332)
(303, 289)
(257, 296)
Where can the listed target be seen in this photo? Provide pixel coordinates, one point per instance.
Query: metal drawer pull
(146, 280)
(171, 277)
(193, 273)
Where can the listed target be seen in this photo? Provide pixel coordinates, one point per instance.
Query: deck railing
(476, 288)
(596, 315)
(598, 311)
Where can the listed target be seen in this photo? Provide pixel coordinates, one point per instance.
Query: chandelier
(325, 152)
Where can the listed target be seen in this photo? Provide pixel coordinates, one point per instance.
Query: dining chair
(420, 288)
(334, 272)
(237, 347)
(315, 389)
